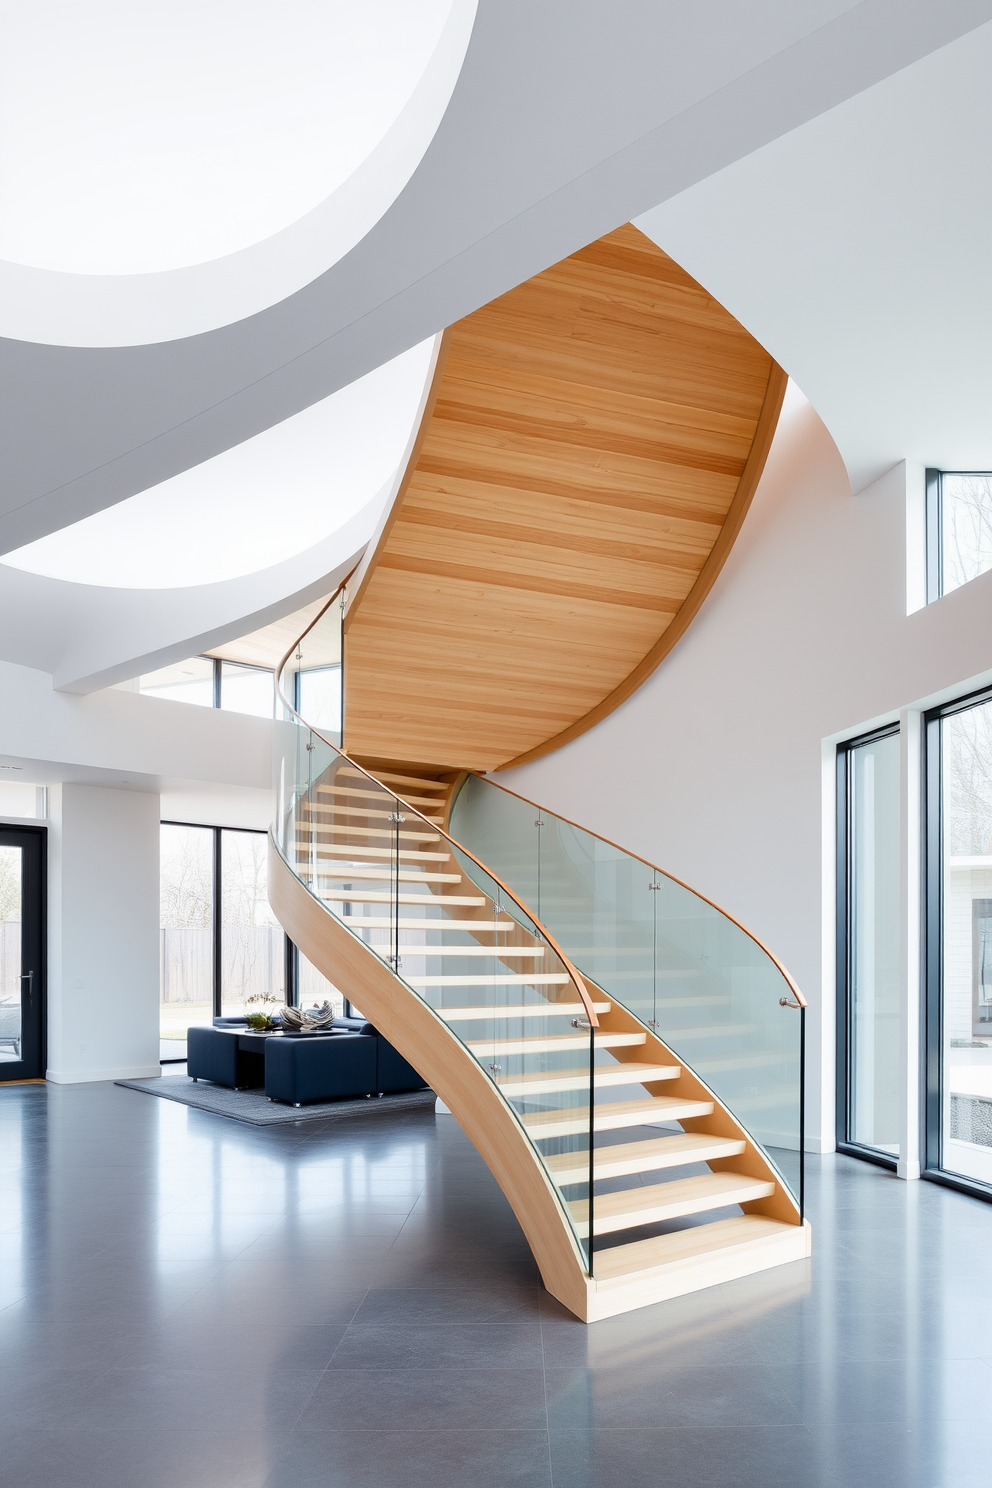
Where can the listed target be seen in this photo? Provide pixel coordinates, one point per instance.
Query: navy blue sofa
(353, 1060)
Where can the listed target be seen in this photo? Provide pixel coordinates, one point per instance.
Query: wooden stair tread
(304, 823)
(382, 896)
(525, 1010)
(613, 1115)
(383, 922)
(643, 1157)
(661, 1201)
(619, 1074)
(439, 785)
(558, 1043)
(359, 851)
(500, 952)
(374, 795)
(493, 979)
(639, 1258)
(367, 812)
(329, 870)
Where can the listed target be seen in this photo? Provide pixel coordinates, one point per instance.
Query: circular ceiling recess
(171, 166)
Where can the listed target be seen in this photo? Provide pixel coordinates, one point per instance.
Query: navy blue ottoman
(320, 1067)
(215, 1054)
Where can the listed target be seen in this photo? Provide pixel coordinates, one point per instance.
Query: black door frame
(932, 1041)
(845, 947)
(33, 842)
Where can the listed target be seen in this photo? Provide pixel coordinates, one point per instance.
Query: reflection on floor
(188, 1301)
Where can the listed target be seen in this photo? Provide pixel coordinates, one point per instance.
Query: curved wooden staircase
(630, 1177)
(620, 1163)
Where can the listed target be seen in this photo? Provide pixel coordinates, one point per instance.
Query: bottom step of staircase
(648, 1271)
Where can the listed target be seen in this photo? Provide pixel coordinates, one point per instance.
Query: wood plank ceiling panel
(593, 443)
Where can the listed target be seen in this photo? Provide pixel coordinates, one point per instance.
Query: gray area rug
(254, 1107)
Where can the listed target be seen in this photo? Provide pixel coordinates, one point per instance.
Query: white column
(103, 938)
(910, 930)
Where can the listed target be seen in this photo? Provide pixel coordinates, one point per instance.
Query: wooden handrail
(573, 972)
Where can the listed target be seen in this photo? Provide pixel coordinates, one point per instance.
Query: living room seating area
(351, 1059)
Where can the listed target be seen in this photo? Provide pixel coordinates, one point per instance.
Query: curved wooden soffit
(589, 449)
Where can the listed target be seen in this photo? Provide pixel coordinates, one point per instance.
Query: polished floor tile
(481, 1458)
(184, 1300)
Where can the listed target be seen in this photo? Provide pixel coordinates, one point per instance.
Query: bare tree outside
(966, 511)
(10, 884)
(967, 745)
(10, 921)
(251, 935)
(186, 920)
(186, 878)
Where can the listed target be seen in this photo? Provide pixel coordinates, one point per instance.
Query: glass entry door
(959, 938)
(868, 1023)
(22, 983)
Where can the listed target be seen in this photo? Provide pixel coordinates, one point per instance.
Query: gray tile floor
(186, 1301)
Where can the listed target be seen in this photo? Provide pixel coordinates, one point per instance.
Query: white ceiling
(167, 168)
(143, 138)
(567, 119)
(823, 168)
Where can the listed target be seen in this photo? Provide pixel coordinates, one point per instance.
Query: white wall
(103, 973)
(719, 769)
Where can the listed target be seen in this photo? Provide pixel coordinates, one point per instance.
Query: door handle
(28, 976)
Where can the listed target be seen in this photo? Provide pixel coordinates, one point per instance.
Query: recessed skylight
(252, 506)
(138, 138)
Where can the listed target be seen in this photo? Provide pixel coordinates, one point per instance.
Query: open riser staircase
(631, 1179)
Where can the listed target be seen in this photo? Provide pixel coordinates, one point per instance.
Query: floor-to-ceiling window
(252, 942)
(959, 941)
(868, 946)
(186, 935)
(221, 944)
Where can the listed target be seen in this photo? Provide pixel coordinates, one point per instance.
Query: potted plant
(259, 1009)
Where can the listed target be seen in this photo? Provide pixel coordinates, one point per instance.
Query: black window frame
(935, 527)
(290, 949)
(845, 946)
(216, 918)
(932, 1033)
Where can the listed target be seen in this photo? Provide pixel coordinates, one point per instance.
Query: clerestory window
(959, 528)
(212, 683)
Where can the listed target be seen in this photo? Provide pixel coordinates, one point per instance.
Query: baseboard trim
(88, 1077)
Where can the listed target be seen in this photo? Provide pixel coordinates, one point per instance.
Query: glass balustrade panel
(684, 968)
